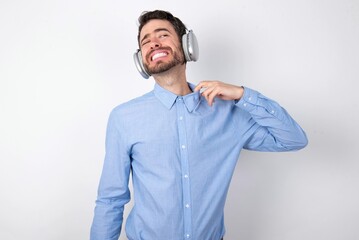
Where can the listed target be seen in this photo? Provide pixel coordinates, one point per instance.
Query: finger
(197, 88)
(206, 94)
(213, 94)
(200, 86)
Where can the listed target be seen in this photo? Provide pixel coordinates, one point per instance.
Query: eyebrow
(155, 31)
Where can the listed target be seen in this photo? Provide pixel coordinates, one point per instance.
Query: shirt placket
(181, 110)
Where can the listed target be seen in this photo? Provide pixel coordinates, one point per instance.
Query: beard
(161, 66)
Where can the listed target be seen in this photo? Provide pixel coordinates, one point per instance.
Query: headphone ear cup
(190, 46)
(137, 58)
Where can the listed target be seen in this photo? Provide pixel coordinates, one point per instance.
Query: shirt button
(187, 205)
(187, 236)
(181, 118)
(185, 176)
(245, 104)
(272, 111)
(183, 146)
(249, 98)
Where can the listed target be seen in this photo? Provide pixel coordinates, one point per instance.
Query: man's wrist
(240, 93)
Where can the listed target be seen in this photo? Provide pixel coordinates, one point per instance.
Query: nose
(155, 44)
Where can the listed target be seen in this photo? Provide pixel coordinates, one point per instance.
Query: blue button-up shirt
(182, 154)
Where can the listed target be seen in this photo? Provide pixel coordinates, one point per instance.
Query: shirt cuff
(249, 100)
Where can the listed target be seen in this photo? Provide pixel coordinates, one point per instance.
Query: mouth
(156, 55)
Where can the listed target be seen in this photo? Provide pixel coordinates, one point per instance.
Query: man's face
(160, 46)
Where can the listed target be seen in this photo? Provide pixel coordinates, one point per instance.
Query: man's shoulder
(135, 104)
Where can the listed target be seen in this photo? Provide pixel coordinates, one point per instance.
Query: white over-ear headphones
(190, 50)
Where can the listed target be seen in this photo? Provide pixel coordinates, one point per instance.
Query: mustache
(162, 48)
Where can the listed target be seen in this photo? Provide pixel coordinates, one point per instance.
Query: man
(181, 142)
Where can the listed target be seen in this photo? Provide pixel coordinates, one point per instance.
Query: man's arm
(275, 129)
(113, 192)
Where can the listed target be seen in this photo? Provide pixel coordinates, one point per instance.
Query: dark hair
(177, 24)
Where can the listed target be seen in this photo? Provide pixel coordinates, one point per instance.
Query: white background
(65, 64)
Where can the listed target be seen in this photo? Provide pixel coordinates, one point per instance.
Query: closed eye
(160, 37)
(162, 33)
(145, 42)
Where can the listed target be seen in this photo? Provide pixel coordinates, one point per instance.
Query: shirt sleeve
(276, 130)
(113, 191)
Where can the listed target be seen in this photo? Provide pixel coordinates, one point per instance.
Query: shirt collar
(168, 98)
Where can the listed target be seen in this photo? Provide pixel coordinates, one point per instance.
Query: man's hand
(212, 89)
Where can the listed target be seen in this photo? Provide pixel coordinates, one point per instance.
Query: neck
(174, 80)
